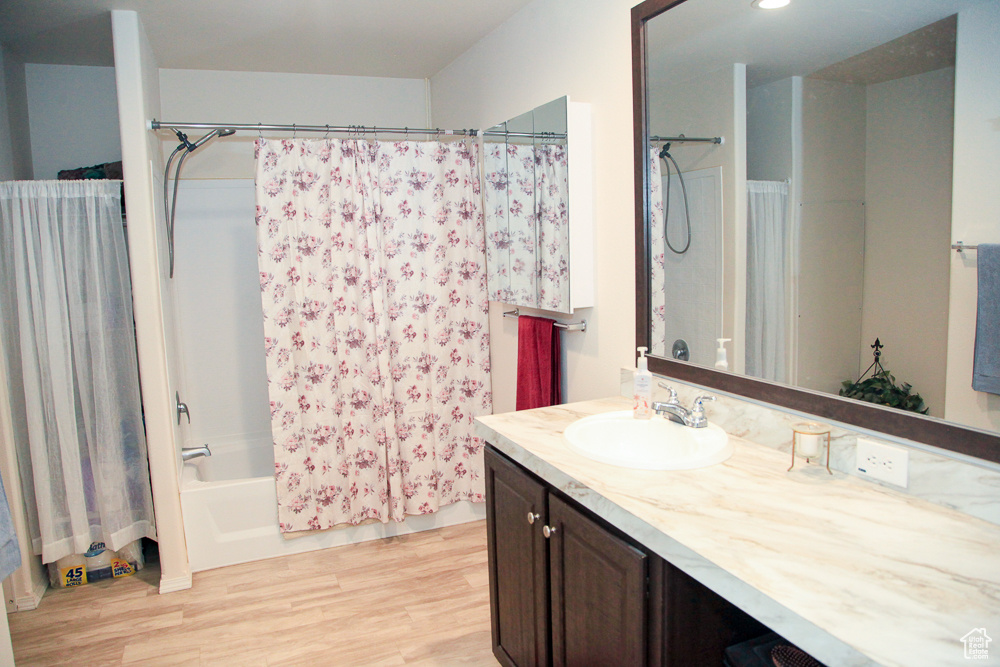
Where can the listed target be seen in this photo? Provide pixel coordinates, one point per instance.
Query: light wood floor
(415, 599)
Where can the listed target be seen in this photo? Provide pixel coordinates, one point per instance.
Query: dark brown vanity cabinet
(564, 590)
(567, 589)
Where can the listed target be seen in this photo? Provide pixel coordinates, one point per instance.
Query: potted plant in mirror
(881, 388)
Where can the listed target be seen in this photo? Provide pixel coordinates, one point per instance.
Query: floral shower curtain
(499, 238)
(658, 248)
(526, 197)
(373, 285)
(511, 243)
(551, 205)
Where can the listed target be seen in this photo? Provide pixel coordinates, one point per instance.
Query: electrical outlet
(882, 462)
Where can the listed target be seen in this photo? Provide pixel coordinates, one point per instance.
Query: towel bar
(566, 326)
(959, 247)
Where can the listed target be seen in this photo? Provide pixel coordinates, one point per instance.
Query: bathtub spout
(188, 453)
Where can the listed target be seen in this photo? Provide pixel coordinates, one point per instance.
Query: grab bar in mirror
(681, 139)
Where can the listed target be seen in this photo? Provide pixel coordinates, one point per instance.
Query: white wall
(769, 131)
(907, 229)
(549, 49)
(216, 290)
(73, 115)
(15, 94)
(831, 234)
(138, 100)
(975, 212)
(6, 148)
(262, 97)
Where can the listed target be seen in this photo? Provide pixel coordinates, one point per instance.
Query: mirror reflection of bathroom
(827, 186)
(687, 265)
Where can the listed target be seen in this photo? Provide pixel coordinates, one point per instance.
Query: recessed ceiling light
(769, 4)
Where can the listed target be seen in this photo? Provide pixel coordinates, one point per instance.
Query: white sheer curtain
(67, 301)
(767, 234)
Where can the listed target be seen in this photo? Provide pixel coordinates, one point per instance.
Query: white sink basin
(647, 444)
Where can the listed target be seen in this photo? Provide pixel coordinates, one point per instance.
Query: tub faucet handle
(182, 408)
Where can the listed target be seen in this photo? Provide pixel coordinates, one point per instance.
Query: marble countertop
(853, 572)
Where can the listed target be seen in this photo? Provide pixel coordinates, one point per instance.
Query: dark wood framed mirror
(918, 428)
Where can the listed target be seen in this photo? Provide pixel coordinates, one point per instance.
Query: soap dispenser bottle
(720, 354)
(642, 388)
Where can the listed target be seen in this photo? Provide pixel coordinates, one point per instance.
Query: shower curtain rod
(350, 129)
(681, 139)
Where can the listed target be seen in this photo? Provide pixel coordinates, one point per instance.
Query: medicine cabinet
(539, 208)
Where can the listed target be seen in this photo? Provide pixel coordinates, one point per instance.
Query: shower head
(208, 137)
(223, 132)
(665, 151)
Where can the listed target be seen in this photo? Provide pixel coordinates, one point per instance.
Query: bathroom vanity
(613, 601)
(596, 564)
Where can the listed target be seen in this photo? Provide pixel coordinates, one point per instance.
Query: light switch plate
(883, 462)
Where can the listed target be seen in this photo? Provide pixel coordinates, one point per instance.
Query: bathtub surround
(83, 466)
(686, 238)
(230, 508)
(373, 288)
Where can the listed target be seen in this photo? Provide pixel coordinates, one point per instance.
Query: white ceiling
(389, 38)
(703, 35)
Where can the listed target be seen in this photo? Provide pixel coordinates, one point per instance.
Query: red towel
(538, 361)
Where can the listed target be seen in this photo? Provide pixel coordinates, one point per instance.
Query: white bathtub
(230, 510)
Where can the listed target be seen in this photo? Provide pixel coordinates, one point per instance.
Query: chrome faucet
(675, 412)
(188, 453)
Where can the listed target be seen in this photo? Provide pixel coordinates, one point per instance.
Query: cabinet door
(517, 564)
(598, 593)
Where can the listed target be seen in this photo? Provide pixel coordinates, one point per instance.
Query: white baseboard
(32, 598)
(175, 584)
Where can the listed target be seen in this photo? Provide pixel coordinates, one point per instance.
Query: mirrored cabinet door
(538, 202)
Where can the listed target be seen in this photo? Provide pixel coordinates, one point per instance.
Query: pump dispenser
(642, 387)
(720, 354)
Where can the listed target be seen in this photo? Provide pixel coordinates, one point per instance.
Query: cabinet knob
(532, 517)
(548, 531)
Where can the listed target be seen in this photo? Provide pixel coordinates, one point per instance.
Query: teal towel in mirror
(986, 364)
